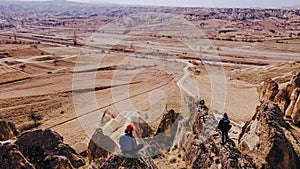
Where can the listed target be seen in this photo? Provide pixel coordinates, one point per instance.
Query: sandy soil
(71, 87)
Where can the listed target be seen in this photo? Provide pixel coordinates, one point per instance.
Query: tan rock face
(141, 128)
(167, 129)
(293, 99)
(293, 90)
(286, 98)
(281, 99)
(263, 139)
(167, 120)
(198, 112)
(296, 112)
(7, 130)
(269, 90)
(100, 146)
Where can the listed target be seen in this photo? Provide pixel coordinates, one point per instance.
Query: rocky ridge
(200, 146)
(264, 141)
(39, 149)
(287, 98)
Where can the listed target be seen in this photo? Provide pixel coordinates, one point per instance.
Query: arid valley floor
(78, 68)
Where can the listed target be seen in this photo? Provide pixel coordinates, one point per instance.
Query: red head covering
(129, 128)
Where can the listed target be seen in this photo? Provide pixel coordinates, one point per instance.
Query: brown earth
(70, 87)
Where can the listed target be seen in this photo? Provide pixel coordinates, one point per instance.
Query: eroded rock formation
(287, 98)
(38, 145)
(263, 139)
(100, 146)
(12, 158)
(199, 144)
(269, 90)
(39, 149)
(167, 129)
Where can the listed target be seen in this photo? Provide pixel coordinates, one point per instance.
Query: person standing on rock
(128, 143)
(224, 126)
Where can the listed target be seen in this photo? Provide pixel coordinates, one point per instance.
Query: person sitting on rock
(128, 143)
(224, 126)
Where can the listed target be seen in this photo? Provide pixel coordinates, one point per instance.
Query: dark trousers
(224, 136)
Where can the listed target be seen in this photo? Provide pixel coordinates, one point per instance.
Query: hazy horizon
(202, 3)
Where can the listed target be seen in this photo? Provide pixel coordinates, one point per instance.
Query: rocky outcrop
(116, 161)
(167, 129)
(100, 146)
(167, 121)
(7, 130)
(200, 144)
(269, 90)
(12, 158)
(296, 111)
(115, 126)
(198, 113)
(263, 139)
(205, 151)
(287, 98)
(57, 162)
(281, 99)
(210, 154)
(293, 90)
(42, 147)
(141, 127)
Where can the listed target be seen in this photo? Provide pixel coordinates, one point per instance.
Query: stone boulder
(12, 158)
(121, 162)
(40, 145)
(264, 141)
(269, 90)
(198, 112)
(7, 130)
(141, 127)
(167, 121)
(100, 146)
(167, 129)
(57, 162)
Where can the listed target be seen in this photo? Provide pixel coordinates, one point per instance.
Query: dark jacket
(224, 125)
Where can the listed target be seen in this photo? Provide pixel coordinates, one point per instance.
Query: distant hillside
(292, 7)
